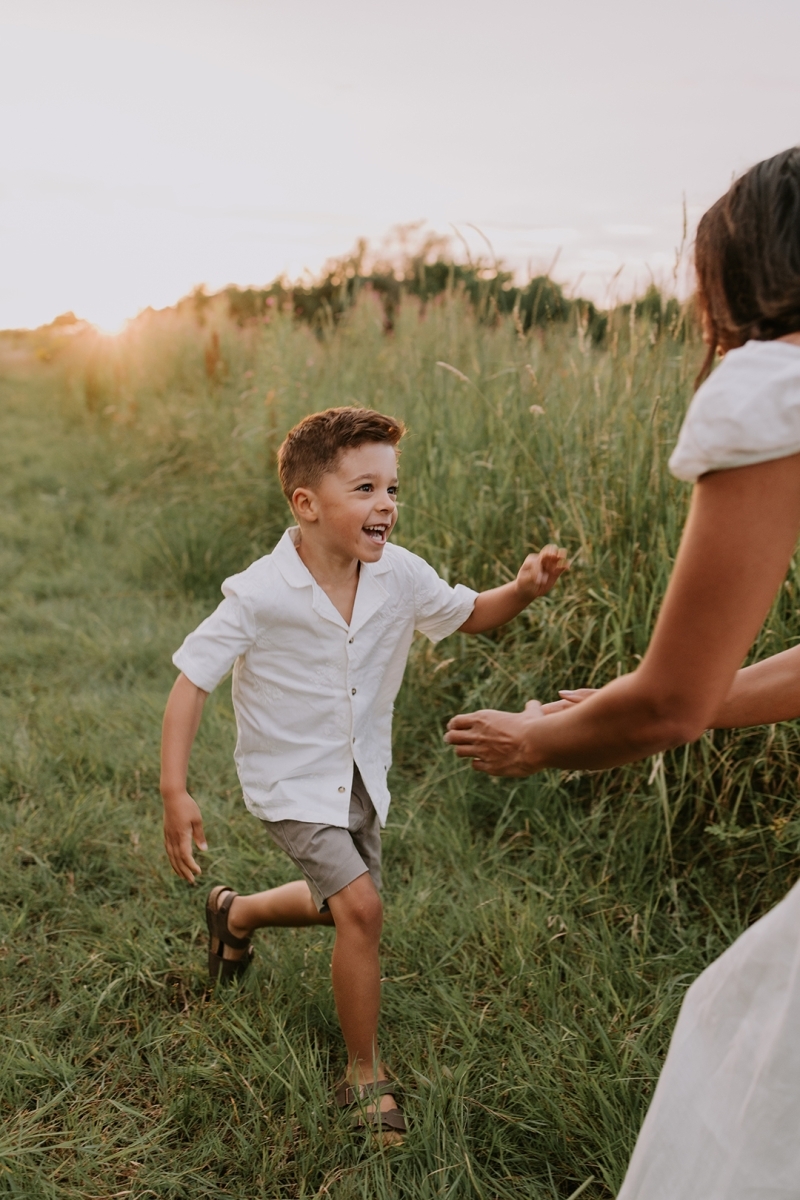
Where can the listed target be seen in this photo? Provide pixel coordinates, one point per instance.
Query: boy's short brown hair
(313, 447)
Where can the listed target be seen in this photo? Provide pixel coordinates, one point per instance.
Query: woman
(725, 1118)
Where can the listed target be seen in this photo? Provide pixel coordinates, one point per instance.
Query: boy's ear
(304, 504)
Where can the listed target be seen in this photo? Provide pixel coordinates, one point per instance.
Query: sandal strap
(391, 1121)
(219, 918)
(230, 969)
(347, 1095)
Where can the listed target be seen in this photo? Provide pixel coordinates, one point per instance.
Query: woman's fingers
(495, 741)
(569, 698)
(462, 733)
(459, 727)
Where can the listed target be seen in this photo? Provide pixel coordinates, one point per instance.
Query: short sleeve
(208, 654)
(439, 609)
(747, 412)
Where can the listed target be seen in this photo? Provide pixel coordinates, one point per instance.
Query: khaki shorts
(331, 857)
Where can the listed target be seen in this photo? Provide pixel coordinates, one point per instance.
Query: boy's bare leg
(357, 913)
(355, 972)
(290, 905)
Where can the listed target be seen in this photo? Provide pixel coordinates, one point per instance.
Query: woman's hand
(739, 538)
(496, 741)
(568, 700)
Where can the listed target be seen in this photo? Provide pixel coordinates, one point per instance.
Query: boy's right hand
(182, 823)
(540, 572)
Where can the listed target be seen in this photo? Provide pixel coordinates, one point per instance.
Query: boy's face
(354, 507)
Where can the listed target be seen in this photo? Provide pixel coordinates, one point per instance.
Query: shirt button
(341, 789)
(354, 741)
(352, 691)
(351, 640)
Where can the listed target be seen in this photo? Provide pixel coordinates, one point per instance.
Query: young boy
(318, 634)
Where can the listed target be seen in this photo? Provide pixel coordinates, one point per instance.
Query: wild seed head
(453, 371)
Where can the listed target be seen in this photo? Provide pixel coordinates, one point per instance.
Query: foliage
(539, 933)
(491, 291)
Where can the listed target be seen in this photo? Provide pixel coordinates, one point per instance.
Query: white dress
(724, 1122)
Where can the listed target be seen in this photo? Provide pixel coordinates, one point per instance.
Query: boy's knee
(358, 906)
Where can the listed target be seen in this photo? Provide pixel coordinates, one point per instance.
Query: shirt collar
(289, 562)
(370, 595)
(295, 571)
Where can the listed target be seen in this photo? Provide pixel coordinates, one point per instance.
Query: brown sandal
(220, 968)
(390, 1121)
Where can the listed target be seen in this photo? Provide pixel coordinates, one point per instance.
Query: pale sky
(151, 145)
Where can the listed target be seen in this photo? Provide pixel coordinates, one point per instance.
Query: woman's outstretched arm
(734, 553)
(762, 694)
(766, 692)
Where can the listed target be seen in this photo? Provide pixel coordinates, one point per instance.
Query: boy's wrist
(171, 791)
(521, 594)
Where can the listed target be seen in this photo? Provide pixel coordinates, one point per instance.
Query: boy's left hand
(540, 572)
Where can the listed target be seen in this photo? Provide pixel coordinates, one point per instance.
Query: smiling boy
(318, 633)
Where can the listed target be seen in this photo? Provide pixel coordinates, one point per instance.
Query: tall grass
(539, 933)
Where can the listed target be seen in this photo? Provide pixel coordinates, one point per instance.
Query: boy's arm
(536, 577)
(182, 819)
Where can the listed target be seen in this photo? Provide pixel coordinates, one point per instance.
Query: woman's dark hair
(747, 256)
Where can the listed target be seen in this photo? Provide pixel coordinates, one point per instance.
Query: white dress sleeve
(747, 412)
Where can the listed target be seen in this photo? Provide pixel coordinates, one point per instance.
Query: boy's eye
(392, 491)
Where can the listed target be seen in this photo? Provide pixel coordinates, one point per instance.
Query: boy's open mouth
(377, 533)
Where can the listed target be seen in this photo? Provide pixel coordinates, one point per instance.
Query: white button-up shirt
(312, 694)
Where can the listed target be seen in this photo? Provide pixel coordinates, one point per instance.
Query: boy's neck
(336, 574)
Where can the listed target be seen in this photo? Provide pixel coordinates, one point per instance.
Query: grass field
(539, 934)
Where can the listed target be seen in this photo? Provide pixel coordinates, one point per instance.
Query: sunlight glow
(152, 147)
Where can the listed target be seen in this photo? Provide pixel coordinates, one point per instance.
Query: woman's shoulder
(748, 411)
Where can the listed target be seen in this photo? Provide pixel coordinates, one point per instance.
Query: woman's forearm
(626, 722)
(763, 694)
(738, 540)
(623, 722)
